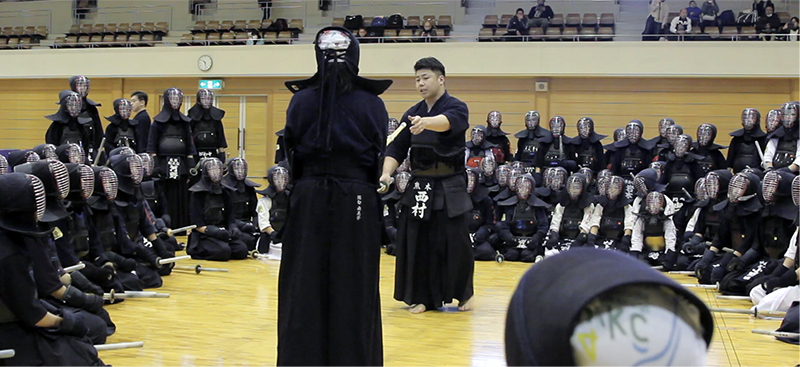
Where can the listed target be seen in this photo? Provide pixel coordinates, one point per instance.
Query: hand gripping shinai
(385, 185)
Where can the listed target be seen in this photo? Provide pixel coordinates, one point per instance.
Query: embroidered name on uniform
(358, 207)
(420, 209)
(173, 164)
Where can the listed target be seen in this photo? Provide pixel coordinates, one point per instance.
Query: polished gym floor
(230, 319)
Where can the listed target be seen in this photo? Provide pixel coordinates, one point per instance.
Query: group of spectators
(539, 16)
(762, 15)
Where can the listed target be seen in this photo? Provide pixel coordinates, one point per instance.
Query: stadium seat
(212, 26)
(589, 20)
(537, 34)
(98, 29)
(199, 39)
(730, 33)
(239, 25)
(296, 25)
(569, 34)
(147, 40)
(162, 28)
(265, 24)
(75, 29)
(784, 16)
(270, 37)
(149, 28)
(225, 25)
(585, 31)
(253, 25)
(339, 22)
(414, 22)
(213, 38)
(13, 43)
(86, 29)
(199, 26)
(504, 19)
(605, 31)
(57, 43)
(490, 21)
(136, 28)
(41, 31)
(557, 21)
(712, 32)
(368, 21)
(4, 43)
(607, 20)
(748, 33)
(572, 20)
(123, 28)
(227, 38)
(186, 40)
(405, 35)
(71, 41)
(108, 40)
(486, 34)
(284, 38)
(241, 38)
(25, 43)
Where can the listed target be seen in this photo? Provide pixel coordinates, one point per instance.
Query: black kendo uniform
(711, 158)
(571, 217)
(739, 229)
(525, 226)
(17, 157)
(619, 134)
(654, 238)
(557, 153)
(46, 151)
(482, 217)
(661, 142)
(745, 142)
(704, 224)
(172, 144)
(478, 147)
(47, 269)
(612, 215)
(207, 130)
(68, 126)
(71, 153)
(242, 194)
(210, 206)
(280, 150)
(681, 173)
(587, 147)
(781, 148)
(632, 154)
(135, 230)
(121, 132)
(272, 208)
(554, 181)
(391, 200)
(20, 307)
(530, 143)
(433, 224)
(156, 203)
(335, 133)
(80, 84)
(496, 136)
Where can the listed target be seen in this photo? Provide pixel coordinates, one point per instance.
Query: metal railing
(406, 8)
(26, 18)
(209, 11)
(559, 7)
(130, 14)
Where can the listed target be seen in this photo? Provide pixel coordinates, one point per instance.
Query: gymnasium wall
(611, 102)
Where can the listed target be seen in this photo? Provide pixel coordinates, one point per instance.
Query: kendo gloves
(71, 324)
(625, 244)
(81, 282)
(89, 302)
(580, 241)
(741, 262)
(694, 246)
(552, 239)
(218, 233)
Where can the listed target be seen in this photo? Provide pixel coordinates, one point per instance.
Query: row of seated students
(670, 201)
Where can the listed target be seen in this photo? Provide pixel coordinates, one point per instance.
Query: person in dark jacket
(518, 24)
(768, 24)
(139, 101)
(540, 15)
(759, 6)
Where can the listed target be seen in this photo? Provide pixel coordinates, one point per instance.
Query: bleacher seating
(410, 31)
(21, 37)
(572, 27)
(113, 35)
(240, 30)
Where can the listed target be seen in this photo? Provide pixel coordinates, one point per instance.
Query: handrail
(25, 15)
(135, 13)
(398, 7)
(202, 10)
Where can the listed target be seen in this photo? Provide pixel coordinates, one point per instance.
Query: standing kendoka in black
(434, 253)
(328, 300)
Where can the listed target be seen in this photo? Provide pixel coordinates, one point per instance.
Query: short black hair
(519, 10)
(769, 5)
(142, 96)
(430, 63)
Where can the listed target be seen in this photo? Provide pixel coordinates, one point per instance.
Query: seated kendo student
(525, 226)
(137, 238)
(681, 172)
(653, 237)
(782, 144)
(67, 126)
(557, 153)
(210, 209)
(39, 333)
(243, 200)
(71, 153)
(17, 157)
(739, 229)
(530, 143)
(488, 171)
(661, 171)
(704, 224)
(121, 132)
(390, 214)
(591, 185)
(633, 154)
(271, 209)
(668, 148)
(156, 203)
(478, 147)
(481, 222)
(746, 142)
(709, 151)
(660, 141)
(496, 136)
(611, 221)
(55, 286)
(555, 179)
(587, 146)
(619, 135)
(571, 216)
(691, 248)
(589, 307)
(46, 151)
(772, 122)
(503, 191)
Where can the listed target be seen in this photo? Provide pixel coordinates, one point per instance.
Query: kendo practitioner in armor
(39, 333)
(210, 209)
(391, 202)
(611, 221)
(773, 121)
(280, 150)
(481, 223)
(530, 143)
(653, 237)
(271, 208)
(525, 226)
(156, 204)
(681, 172)
(661, 168)
(496, 136)
(242, 194)
(558, 152)
(173, 147)
(746, 142)
(136, 237)
(55, 286)
(434, 219)
(783, 148)
(704, 224)
(555, 179)
(588, 175)
(632, 154)
(587, 147)
(81, 85)
(17, 157)
(207, 130)
(335, 134)
(46, 151)
(571, 217)
(661, 142)
(619, 135)
(121, 132)
(68, 126)
(739, 229)
(691, 248)
(478, 147)
(711, 158)
(503, 190)
(643, 183)
(673, 131)
(71, 153)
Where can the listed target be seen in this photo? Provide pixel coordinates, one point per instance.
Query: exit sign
(211, 84)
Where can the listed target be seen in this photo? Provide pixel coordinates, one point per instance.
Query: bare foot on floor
(417, 308)
(465, 306)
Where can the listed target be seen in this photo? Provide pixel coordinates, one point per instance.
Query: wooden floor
(230, 319)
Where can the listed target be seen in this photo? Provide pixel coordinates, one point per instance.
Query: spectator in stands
(518, 25)
(659, 14)
(139, 112)
(769, 23)
(759, 6)
(680, 25)
(428, 30)
(694, 13)
(791, 28)
(540, 15)
(708, 15)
